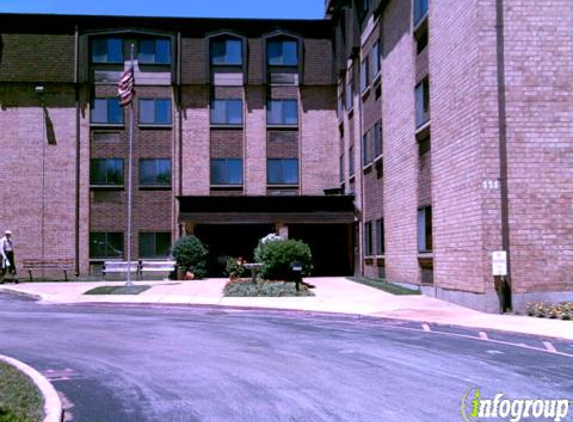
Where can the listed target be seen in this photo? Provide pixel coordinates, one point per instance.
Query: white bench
(119, 267)
(166, 267)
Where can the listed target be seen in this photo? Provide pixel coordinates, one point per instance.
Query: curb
(52, 403)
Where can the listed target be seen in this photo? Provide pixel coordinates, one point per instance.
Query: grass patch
(264, 288)
(117, 290)
(20, 399)
(385, 286)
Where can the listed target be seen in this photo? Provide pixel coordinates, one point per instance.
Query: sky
(276, 9)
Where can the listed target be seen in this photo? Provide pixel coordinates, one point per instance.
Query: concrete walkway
(332, 294)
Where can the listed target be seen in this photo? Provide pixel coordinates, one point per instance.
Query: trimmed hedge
(191, 255)
(277, 256)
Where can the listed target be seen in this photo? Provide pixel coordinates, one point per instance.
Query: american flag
(125, 90)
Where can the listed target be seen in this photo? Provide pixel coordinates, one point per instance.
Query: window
(226, 52)
(157, 51)
(155, 111)
(155, 172)
(227, 112)
(380, 249)
(425, 229)
(424, 145)
(422, 102)
(349, 97)
(226, 171)
(366, 158)
(107, 50)
(363, 8)
(282, 112)
(154, 245)
(378, 139)
(340, 107)
(351, 161)
(421, 39)
(106, 245)
(364, 77)
(420, 10)
(282, 52)
(367, 239)
(341, 168)
(375, 60)
(283, 171)
(106, 111)
(106, 172)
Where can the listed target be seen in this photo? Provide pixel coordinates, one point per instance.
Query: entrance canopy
(335, 209)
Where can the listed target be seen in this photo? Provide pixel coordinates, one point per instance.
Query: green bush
(235, 268)
(277, 256)
(191, 255)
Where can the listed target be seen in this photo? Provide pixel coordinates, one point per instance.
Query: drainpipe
(503, 170)
(78, 155)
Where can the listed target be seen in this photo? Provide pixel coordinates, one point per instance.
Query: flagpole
(129, 283)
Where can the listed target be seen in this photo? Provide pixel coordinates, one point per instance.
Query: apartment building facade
(403, 139)
(455, 136)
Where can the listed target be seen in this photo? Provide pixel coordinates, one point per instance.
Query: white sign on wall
(499, 263)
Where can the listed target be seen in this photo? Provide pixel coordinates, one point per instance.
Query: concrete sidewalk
(332, 294)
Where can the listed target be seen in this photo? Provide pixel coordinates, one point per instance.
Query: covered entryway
(230, 240)
(232, 227)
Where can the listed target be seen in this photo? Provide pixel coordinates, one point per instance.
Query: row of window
(370, 236)
(377, 235)
(156, 172)
(370, 67)
(110, 245)
(110, 172)
(224, 51)
(372, 144)
(157, 111)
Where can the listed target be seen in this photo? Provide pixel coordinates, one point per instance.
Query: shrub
(277, 256)
(191, 255)
(235, 269)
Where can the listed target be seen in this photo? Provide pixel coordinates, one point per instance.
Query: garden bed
(384, 286)
(547, 310)
(244, 287)
(20, 399)
(117, 290)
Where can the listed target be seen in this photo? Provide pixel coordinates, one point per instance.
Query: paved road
(135, 364)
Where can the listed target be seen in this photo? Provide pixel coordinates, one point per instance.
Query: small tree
(191, 255)
(277, 256)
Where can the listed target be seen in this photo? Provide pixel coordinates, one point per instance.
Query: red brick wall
(539, 83)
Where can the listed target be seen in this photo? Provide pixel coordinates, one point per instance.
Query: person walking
(7, 255)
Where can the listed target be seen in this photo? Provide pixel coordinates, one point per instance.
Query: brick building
(402, 140)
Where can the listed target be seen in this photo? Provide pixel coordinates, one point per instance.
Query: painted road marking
(426, 328)
(483, 335)
(60, 375)
(550, 347)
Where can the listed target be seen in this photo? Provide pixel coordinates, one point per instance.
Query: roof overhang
(335, 209)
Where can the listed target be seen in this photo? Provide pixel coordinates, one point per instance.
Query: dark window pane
(155, 172)
(99, 50)
(163, 111)
(146, 51)
(351, 161)
(274, 171)
(217, 171)
(106, 245)
(380, 237)
(364, 78)
(218, 52)
(425, 229)
(349, 97)
(420, 10)
(235, 171)
(290, 171)
(235, 112)
(234, 52)
(163, 51)
(98, 112)
(282, 53)
(422, 102)
(114, 111)
(146, 111)
(115, 50)
(106, 172)
(162, 244)
(114, 171)
(154, 245)
(274, 112)
(290, 112)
